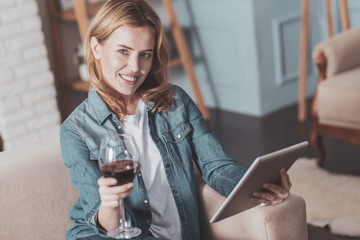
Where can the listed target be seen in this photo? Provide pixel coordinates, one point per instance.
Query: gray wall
(354, 9)
(251, 50)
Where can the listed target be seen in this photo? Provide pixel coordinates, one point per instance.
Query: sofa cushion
(27, 175)
(339, 100)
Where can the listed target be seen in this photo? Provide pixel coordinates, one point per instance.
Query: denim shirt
(182, 137)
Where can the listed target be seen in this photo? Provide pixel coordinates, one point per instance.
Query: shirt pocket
(119, 152)
(94, 142)
(178, 144)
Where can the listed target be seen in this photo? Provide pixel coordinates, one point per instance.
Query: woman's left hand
(277, 193)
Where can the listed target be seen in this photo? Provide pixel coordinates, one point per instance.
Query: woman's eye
(146, 55)
(124, 51)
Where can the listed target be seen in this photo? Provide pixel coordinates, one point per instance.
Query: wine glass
(118, 158)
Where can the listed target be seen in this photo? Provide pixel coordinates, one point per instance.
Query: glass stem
(122, 215)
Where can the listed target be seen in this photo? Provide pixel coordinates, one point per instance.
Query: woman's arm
(84, 174)
(219, 170)
(98, 195)
(216, 167)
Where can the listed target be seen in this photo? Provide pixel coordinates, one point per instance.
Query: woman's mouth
(129, 78)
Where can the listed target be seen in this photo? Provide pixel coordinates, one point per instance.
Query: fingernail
(130, 185)
(113, 181)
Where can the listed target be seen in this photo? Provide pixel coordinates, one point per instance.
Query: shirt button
(175, 191)
(156, 140)
(183, 219)
(179, 136)
(146, 201)
(139, 174)
(119, 127)
(148, 221)
(167, 165)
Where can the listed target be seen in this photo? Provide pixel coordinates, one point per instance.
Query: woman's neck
(131, 105)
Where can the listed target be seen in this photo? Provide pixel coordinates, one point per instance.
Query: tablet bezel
(265, 169)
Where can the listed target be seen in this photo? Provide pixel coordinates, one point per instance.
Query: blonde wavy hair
(134, 13)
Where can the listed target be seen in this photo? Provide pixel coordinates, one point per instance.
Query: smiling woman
(127, 57)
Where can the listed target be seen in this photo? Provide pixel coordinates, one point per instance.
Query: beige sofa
(36, 195)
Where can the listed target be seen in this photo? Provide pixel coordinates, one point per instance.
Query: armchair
(36, 195)
(336, 104)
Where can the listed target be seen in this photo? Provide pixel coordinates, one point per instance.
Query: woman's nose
(133, 63)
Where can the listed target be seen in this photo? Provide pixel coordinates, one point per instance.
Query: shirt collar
(149, 106)
(102, 111)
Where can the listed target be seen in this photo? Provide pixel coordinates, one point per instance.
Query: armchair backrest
(342, 51)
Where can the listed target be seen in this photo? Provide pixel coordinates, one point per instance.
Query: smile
(127, 78)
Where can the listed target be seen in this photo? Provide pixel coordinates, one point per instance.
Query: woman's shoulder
(178, 92)
(78, 112)
(181, 102)
(78, 118)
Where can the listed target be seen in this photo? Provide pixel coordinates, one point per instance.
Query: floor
(245, 138)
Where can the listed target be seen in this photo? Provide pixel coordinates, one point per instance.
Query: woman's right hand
(110, 193)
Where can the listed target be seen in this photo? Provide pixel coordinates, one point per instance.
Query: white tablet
(265, 169)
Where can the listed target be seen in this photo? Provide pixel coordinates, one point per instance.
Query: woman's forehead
(133, 37)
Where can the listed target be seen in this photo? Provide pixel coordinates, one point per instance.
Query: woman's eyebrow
(124, 46)
(127, 47)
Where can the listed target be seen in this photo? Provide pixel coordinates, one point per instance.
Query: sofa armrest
(342, 51)
(284, 221)
(36, 193)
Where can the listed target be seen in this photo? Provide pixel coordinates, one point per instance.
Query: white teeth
(128, 78)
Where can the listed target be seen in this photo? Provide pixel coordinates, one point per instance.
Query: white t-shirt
(165, 217)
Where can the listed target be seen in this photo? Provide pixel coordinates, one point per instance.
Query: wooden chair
(336, 105)
(304, 44)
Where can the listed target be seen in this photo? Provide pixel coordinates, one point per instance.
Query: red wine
(124, 170)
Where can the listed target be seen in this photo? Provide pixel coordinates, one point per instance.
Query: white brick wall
(28, 107)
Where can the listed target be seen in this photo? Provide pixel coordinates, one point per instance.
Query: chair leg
(316, 142)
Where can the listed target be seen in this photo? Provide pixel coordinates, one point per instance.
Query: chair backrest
(344, 15)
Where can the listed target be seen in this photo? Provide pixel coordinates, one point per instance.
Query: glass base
(126, 233)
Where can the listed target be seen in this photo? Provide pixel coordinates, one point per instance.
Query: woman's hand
(110, 193)
(277, 193)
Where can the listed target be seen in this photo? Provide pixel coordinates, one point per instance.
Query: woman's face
(126, 57)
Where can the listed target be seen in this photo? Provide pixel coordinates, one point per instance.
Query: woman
(127, 57)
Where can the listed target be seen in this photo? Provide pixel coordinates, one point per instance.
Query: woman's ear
(95, 48)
